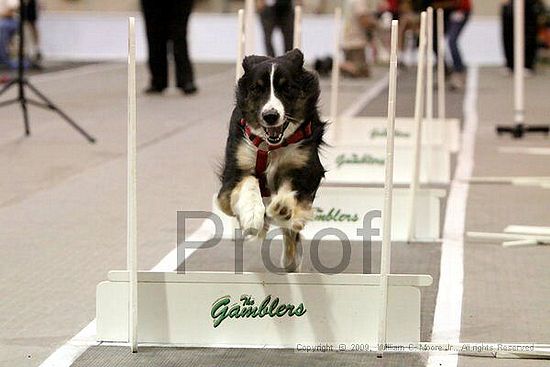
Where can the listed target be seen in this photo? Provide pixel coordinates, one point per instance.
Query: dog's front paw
(251, 220)
(285, 212)
(247, 203)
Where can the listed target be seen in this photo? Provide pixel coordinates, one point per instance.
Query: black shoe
(189, 88)
(153, 90)
(36, 62)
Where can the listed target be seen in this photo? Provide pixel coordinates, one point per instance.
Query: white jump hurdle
(357, 143)
(132, 189)
(241, 45)
(250, 26)
(343, 209)
(297, 38)
(372, 131)
(361, 160)
(225, 309)
(363, 165)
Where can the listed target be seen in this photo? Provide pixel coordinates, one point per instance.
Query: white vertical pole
(132, 193)
(441, 113)
(418, 114)
(240, 46)
(430, 65)
(519, 61)
(249, 26)
(385, 257)
(297, 41)
(335, 76)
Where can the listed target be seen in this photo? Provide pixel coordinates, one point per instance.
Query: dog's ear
(296, 57)
(252, 60)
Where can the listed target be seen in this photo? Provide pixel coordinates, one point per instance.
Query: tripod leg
(53, 107)
(9, 101)
(23, 104)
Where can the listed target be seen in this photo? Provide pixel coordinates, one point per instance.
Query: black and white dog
(272, 150)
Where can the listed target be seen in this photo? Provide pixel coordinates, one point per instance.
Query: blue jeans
(454, 29)
(8, 28)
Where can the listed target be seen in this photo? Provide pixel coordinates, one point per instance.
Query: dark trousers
(454, 29)
(530, 35)
(166, 20)
(277, 17)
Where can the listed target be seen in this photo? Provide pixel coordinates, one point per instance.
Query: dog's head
(276, 95)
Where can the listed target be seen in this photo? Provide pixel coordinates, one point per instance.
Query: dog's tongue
(274, 132)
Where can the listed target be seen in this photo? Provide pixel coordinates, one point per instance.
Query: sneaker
(457, 82)
(36, 62)
(506, 72)
(529, 73)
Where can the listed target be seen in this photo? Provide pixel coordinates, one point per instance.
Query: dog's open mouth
(275, 134)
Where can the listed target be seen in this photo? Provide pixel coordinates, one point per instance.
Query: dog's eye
(286, 88)
(259, 86)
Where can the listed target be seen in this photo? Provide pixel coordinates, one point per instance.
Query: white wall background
(102, 36)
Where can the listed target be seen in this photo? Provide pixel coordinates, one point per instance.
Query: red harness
(262, 155)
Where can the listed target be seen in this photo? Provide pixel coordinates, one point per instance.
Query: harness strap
(259, 170)
(262, 155)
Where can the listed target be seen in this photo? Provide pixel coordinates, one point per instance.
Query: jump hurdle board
(372, 131)
(365, 164)
(183, 309)
(343, 208)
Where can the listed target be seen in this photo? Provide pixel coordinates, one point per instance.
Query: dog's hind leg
(291, 258)
(248, 207)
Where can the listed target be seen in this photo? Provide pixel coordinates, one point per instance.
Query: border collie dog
(272, 169)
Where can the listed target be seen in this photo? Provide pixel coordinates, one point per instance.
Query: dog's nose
(271, 117)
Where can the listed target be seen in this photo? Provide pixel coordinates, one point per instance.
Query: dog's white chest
(277, 159)
(291, 156)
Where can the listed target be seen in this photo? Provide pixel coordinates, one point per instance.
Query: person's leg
(355, 64)
(286, 23)
(156, 26)
(530, 48)
(8, 28)
(31, 17)
(508, 35)
(530, 35)
(4, 42)
(456, 25)
(268, 24)
(179, 18)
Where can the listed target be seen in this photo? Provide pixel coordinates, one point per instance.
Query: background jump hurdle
(343, 208)
(364, 165)
(437, 130)
(358, 141)
(372, 130)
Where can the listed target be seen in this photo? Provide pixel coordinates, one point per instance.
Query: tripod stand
(21, 82)
(519, 128)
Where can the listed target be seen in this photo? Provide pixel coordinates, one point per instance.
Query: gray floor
(169, 357)
(507, 291)
(55, 204)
